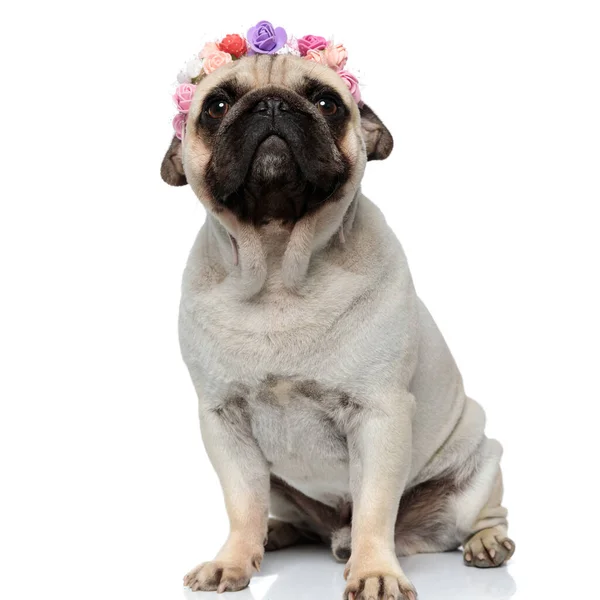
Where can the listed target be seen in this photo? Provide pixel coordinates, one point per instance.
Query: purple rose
(263, 38)
(311, 42)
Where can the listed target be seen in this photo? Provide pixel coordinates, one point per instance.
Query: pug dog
(329, 403)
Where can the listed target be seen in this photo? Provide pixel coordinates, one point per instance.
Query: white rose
(194, 68)
(183, 77)
(288, 50)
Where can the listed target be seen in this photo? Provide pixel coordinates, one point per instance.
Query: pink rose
(335, 56)
(183, 97)
(311, 42)
(352, 83)
(179, 124)
(209, 48)
(315, 56)
(215, 60)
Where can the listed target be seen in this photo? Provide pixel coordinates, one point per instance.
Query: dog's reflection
(310, 572)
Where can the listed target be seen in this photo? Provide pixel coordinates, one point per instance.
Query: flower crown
(263, 38)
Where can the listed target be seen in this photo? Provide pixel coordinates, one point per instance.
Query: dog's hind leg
(426, 518)
(463, 507)
(488, 545)
(303, 520)
(282, 534)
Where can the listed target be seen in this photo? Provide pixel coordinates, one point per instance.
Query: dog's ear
(171, 169)
(377, 137)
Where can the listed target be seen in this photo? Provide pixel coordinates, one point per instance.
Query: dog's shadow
(310, 572)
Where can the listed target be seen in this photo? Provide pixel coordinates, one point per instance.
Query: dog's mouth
(273, 161)
(274, 168)
(276, 187)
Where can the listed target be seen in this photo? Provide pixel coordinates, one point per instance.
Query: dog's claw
(256, 563)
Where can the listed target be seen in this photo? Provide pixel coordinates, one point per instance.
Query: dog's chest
(299, 427)
(311, 335)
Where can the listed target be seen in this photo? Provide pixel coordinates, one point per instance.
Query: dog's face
(274, 138)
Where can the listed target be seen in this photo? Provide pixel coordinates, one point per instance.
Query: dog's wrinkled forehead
(287, 72)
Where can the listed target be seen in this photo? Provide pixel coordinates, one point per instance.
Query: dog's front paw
(384, 582)
(220, 576)
(380, 587)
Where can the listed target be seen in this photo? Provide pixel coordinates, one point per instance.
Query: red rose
(233, 44)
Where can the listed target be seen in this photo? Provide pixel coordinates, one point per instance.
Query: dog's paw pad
(488, 548)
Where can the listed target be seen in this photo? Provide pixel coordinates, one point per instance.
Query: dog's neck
(279, 250)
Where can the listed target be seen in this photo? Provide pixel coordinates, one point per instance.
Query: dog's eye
(327, 106)
(217, 109)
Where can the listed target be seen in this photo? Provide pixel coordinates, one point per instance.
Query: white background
(493, 189)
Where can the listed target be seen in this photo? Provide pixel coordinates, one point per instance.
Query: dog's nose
(271, 107)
